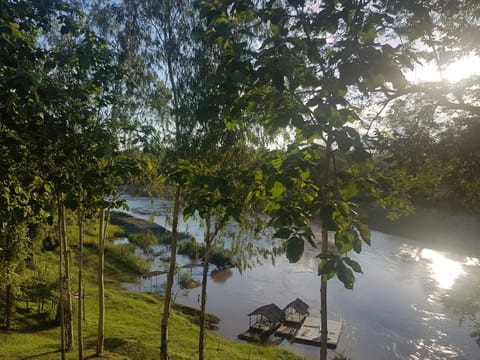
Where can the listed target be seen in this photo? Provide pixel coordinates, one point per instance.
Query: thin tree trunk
(101, 284)
(323, 300)
(170, 277)
(323, 282)
(80, 285)
(206, 260)
(8, 306)
(69, 309)
(8, 290)
(62, 281)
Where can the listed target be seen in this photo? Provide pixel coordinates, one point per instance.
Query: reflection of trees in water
(221, 276)
(463, 299)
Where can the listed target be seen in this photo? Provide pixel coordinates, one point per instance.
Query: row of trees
(197, 93)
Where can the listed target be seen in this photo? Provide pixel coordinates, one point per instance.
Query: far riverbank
(435, 226)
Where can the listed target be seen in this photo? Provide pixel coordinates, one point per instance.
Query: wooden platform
(309, 332)
(286, 331)
(250, 336)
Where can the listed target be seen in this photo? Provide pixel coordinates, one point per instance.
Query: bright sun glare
(443, 270)
(459, 70)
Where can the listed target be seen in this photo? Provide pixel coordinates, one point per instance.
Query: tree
(74, 135)
(217, 191)
(22, 191)
(437, 114)
(167, 37)
(303, 65)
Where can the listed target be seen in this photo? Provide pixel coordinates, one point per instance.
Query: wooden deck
(293, 323)
(250, 336)
(259, 332)
(309, 332)
(286, 331)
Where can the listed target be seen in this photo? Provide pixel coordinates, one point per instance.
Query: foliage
(186, 280)
(219, 256)
(143, 240)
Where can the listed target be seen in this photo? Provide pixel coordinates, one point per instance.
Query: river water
(397, 310)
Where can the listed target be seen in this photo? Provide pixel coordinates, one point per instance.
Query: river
(397, 309)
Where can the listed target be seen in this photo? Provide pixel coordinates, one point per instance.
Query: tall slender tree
(307, 63)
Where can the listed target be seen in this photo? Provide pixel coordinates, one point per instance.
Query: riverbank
(440, 228)
(132, 325)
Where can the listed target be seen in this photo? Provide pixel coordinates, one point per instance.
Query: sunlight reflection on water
(443, 270)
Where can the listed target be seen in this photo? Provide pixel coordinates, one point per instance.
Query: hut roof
(272, 312)
(299, 306)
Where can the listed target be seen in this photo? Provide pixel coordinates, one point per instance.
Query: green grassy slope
(132, 328)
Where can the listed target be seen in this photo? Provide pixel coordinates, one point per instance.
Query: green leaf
(342, 242)
(365, 233)
(368, 36)
(188, 212)
(353, 264)
(345, 275)
(349, 191)
(294, 248)
(357, 246)
(283, 233)
(326, 268)
(277, 190)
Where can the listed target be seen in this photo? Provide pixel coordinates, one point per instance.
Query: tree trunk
(323, 300)
(80, 285)
(101, 284)
(69, 339)
(201, 338)
(62, 282)
(9, 302)
(8, 306)
(323, 282)
(170, 277)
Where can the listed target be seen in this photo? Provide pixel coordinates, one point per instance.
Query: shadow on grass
(111, 344)
(29, 322)
(41, 355)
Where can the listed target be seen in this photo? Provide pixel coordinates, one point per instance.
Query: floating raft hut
(309, 332)
(262, 323)
(294, 314)
(293, 322)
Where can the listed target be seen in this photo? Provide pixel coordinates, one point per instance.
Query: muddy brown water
(396, 311)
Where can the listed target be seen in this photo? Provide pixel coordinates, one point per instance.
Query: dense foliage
(260, 113)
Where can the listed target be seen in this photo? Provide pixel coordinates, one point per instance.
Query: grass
(132, 326)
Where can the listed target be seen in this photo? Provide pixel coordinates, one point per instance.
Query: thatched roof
(272, 312)
(298, 305)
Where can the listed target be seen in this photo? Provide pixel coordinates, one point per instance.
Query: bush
(192, 249)
(143, 240)
(219, 256)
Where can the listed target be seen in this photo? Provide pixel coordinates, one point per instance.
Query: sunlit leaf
(365, 233)
(277, 190)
